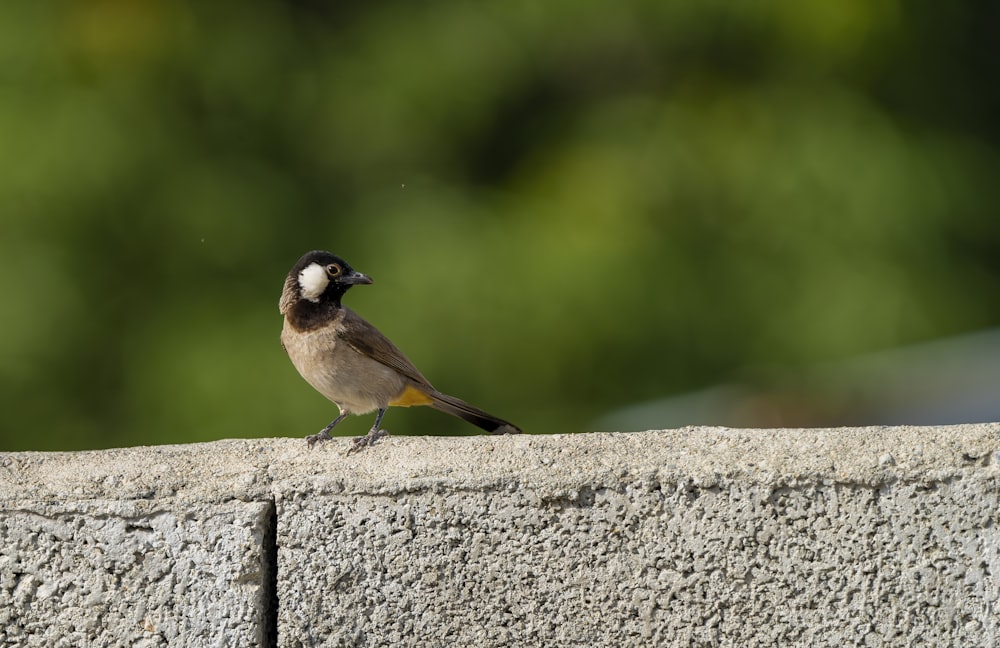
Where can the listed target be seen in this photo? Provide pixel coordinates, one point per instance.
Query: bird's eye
(334, 270)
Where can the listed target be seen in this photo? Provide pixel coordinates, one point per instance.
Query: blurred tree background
(568, 207)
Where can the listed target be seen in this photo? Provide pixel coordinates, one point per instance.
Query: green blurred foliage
(567, 207)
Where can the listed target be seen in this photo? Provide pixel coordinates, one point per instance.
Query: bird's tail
(479, 418)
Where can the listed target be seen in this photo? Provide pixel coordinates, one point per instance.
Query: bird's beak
(356, 278)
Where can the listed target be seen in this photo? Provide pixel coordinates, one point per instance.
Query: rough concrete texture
(693, 537)
(132, 573)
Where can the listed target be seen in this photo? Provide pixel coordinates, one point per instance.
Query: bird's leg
(324, 434)
(373, 435)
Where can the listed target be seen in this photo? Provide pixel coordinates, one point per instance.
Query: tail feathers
(479, 418)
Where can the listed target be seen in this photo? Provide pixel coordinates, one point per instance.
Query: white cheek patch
(313, 281)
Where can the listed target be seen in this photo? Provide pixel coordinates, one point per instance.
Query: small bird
(348, 360)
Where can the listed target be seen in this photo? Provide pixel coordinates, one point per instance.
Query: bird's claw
(313, 439)
(367, 440)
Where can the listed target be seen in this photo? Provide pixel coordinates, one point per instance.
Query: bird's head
(319, 277)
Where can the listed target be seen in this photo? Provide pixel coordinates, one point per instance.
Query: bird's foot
(367, 440)
(313, 439)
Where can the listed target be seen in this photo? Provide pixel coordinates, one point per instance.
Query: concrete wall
(692, 537)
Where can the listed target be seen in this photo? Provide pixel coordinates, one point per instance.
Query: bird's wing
(369, 341)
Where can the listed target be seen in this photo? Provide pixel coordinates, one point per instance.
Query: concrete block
(692, 537)
(133, 573)
(148, 546)
(701, 537)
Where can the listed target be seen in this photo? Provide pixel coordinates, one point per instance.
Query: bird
(348, 360)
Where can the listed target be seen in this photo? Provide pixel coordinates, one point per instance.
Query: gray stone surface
(692, 537)
(132, 573)
(716, 537)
